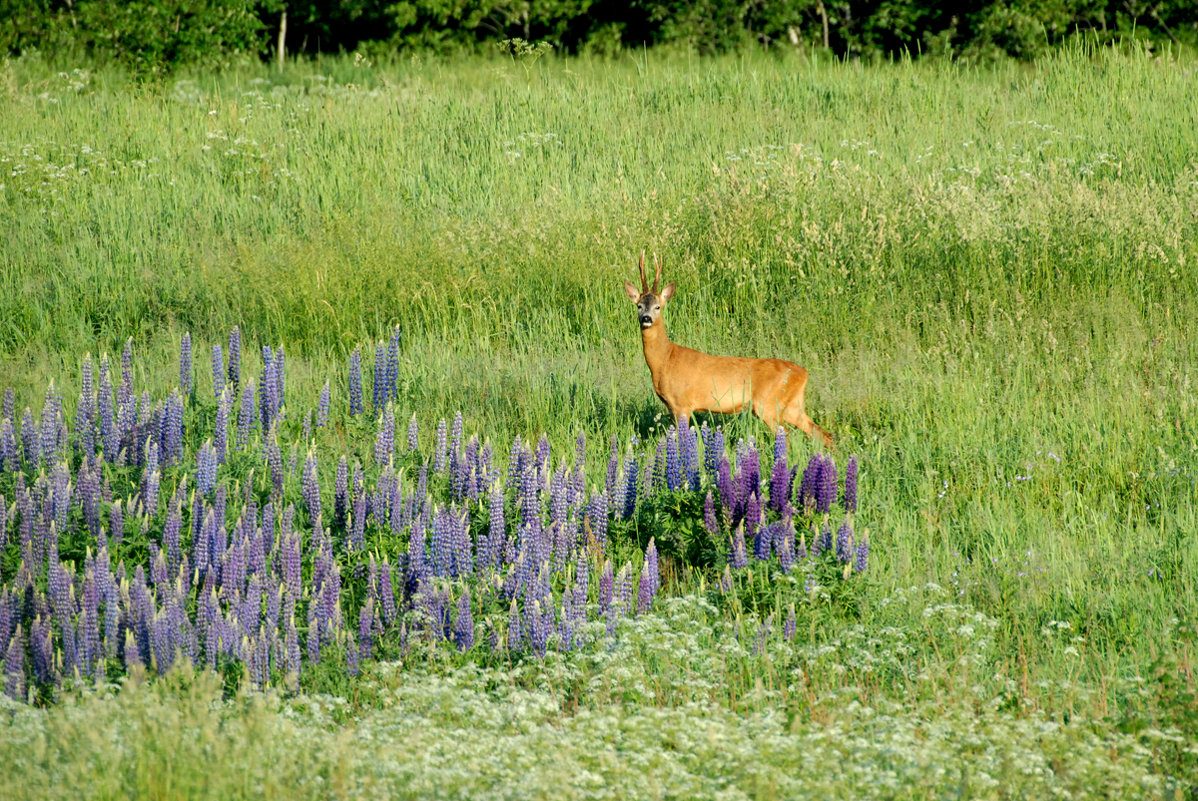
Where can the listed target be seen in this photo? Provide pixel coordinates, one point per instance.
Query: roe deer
(689, 381)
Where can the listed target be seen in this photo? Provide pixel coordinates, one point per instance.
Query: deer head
(649, 301)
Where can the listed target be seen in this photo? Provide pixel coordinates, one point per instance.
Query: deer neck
(657, 346)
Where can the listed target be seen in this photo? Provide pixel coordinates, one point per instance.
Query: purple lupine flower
(206, 461)
(738, 557)
(613, 468)
(754, 515)
(274, 461)
(709, 519)
(14, 666)
(825, 494)
(393, 365)
(597, 515)
(688, 447)
(539, 624)
(673, 465)
(541, 458)
(322, 411)
(726, 487)
(357, 528)
(455, 442)
(185, 372)
(116, 524)
(366, 628)
(85, 423)
(497, 532)
(267, 385)
(292, 650)
(311, 490)
(844, 542)
(439, 449)
(650, 580)
(108, 431)
(655, 478)
(341, 493)
(850, 485)
(714, 453)
(220, 433)
(246, 418)
(808, 488)
(413, 435)
(861, 558)
(51, 412)
(825, 543)
(463, 629)
(789, 627)
(280, 378)
(621, 595)
(10, 401)
(218, 371)
(726, 580)
(784, 544)
(606, 587)
(235, 358)
(763, 541)
(631, 466)
(9, 459)
(384, 442)
(30, 443)
(41, 645)
(355, 382)
(780, 479)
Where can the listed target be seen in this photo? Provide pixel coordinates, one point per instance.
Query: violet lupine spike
(754, 515)
(844, 542)
(341, 493)
(738, 557)
(366, 629)
(850, 486)
(613, 468)
(784, 545)
(355, 382)
(185, 369)
(218, 371)
(826, 491)
(630, 488)
(497, 531)
(789, 627)
(30, 441)
(463, 629)
(440, 448)
(9, 458)
(826, 536)
(597, 514)
(246, 418)
(322, 410)
(655, 478)
(116, 524)
(413, 435)
(709, 519)
(861, 557)
(220, 432)
(51, 412)
(807, 490)
(384, 442)
(311, 490)
(14, 666)
(515, 633)
(10, 401)
(234, 371)
(393, 366)
(280, 379)
(85, 423)
(455, 442)
(206, 465)
(673, 465)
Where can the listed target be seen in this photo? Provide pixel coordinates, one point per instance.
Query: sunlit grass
(990, 274)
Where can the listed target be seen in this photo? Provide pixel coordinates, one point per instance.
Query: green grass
(991, 275)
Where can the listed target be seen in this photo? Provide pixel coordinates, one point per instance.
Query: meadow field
(991, 275)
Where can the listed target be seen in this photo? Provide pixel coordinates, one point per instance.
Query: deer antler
(644, 283)
(657, 278)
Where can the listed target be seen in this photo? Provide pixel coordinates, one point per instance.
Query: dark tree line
(155, 35)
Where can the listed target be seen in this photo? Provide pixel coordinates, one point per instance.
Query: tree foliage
(155, 35)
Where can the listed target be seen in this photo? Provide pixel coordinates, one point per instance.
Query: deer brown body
(690, 381)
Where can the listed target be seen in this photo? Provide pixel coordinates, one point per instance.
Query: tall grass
(991, 275)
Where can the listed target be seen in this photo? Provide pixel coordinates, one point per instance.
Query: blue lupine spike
(413, 435)
(379, 385)
(235, 358)
(850, 485)
(463, 630)
(826, 491)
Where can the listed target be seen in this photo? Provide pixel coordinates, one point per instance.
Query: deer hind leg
(797, 416)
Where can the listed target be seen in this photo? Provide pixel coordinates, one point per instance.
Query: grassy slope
(991, 276)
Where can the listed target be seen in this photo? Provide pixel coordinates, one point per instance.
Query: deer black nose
(646, 319)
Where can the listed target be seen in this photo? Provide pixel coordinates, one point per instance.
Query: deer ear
(667, 292)
(631, 292)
